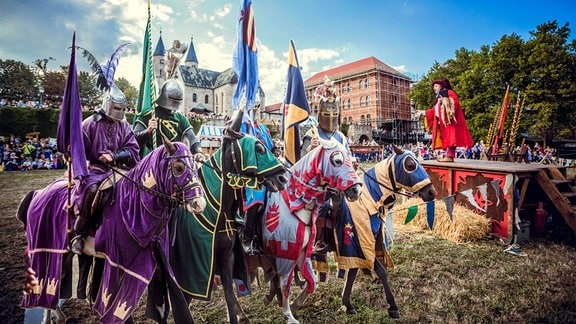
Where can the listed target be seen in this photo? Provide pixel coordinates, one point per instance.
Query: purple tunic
(103, 135)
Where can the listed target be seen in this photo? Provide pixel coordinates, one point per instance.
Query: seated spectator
(13, 163)
(27, 164)
(36, 163)
(46, 164)
(58, 161)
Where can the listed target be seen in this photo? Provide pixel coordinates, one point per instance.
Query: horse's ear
(397, 150)
(237, 120)
(170, 147)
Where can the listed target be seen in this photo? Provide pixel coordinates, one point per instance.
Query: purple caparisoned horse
(132, 237)
(289, 224)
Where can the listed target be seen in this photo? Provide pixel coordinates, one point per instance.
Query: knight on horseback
(327, 100)
(108, 141)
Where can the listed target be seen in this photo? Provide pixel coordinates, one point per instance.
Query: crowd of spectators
(29, 154)
(521, 153)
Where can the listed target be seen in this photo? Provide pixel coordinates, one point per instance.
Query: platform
(499, 190)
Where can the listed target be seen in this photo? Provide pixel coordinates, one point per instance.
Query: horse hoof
(267, 300)
(394, 313)
(351, 310)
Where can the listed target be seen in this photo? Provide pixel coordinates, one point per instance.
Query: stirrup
(77, 244)
(250, 247)
(319, 246)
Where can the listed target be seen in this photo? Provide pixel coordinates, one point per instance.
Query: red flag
(70, 140)
(500, 128)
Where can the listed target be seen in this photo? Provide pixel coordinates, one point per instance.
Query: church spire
(191, 59)
(160, 50)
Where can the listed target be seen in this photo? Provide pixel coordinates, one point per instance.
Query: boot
(81, 226)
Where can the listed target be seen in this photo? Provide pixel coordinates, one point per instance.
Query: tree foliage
(542, 69)
(17, 80)
(129, 90)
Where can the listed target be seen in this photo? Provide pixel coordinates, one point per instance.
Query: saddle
(105, 193)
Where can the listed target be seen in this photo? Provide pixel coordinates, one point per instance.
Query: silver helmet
(171, 95)
(114, 103)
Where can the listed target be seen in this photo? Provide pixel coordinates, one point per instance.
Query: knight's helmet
(114, 103)
(171, 95)
(328, 106)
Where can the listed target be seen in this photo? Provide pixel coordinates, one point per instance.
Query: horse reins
(140, 186)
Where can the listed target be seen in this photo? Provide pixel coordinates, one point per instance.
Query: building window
(206, 99)
(362, 119)
(194, 97)
(350, 120)
(349, 87)
(362, 103)
(369, 119)
(361, 84)
(367, 83)
(350, 104)
(368, 101)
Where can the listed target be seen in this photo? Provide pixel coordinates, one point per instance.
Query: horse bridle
(174, 198)
(394, 189)
(233, 136)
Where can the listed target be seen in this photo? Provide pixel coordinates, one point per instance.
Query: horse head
(329, 166)
(249, 161)
(175, 177)
(405, 172)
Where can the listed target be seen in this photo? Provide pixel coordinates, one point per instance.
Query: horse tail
(22, 212)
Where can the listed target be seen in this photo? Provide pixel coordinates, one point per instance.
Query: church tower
(191, 58)
(159, 59)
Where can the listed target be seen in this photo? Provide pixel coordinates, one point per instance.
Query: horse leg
(393, 310)
(290, 319)
(57, 316)
(242, 317)
(347, 291)
(227, 284)
(299, 301)
(274, 291)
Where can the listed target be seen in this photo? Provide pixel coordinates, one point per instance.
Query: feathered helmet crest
(113, 97)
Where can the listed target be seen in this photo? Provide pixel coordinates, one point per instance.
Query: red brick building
(371, 93)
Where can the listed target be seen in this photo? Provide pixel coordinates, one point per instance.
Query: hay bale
(466, 226)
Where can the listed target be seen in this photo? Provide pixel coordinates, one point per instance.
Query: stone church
(205, 91)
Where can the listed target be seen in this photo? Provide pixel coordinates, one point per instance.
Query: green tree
(129, 90)
(551, 90)
(17, 81)
(89, 94)
(54, 83)
(543, 68)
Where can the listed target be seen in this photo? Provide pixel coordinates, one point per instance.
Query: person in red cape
(446, 121)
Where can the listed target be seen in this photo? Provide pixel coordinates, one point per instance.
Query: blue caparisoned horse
(207, 244)
(360, 231)
(289, 222)
(132, 237)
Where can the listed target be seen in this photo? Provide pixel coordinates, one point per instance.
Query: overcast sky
(408, 35)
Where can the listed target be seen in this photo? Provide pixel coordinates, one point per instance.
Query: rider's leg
(249, 237)
(81, 226)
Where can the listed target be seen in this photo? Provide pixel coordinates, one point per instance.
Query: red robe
(454, 134)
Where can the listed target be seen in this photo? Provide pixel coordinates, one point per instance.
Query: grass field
(435, 281)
